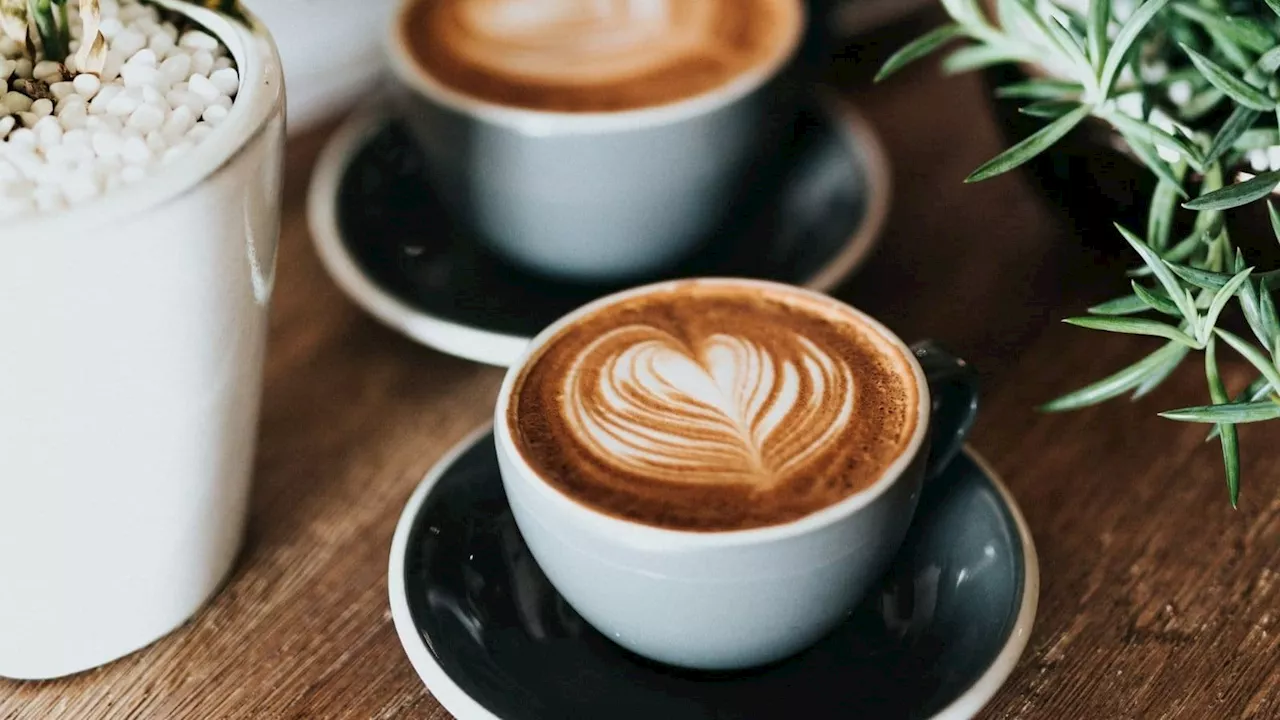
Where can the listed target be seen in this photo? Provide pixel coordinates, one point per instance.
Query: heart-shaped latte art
(730, 409)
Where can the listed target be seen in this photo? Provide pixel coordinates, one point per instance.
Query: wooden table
(1158, 599)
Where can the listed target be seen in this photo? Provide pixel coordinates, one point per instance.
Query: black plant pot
(1084, 176)
(1094, 184)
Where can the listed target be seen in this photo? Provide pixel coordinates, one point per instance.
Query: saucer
(384, 238)
(493, 640)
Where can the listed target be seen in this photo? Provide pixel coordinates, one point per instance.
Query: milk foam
(580, 40)
(727, 410)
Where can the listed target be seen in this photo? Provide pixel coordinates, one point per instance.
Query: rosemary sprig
(1191, 87)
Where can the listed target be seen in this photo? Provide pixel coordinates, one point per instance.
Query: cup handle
(953, 385)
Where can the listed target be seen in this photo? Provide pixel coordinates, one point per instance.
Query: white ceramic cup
(730, 600)
(600, 196)
(133, 330)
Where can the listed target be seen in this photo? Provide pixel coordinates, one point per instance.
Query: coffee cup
(589, 140)
(713, 472)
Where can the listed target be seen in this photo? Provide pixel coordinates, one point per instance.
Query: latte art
(595, 55)
(729, 411)
(579, 40)
(708, 406)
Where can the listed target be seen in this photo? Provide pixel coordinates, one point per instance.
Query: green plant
(1191, 87)
(49, 19)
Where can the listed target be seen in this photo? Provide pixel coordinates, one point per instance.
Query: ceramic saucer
(388, 244)
(492, 639)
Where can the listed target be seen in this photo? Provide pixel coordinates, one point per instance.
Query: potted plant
(140, 163)
(1187, 90)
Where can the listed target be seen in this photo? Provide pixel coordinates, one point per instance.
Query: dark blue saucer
(492, 639)
(811, 219)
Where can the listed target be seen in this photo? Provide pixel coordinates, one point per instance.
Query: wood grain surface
(1158, 599)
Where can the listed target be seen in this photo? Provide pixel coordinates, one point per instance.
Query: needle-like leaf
(1134, 326)
(1230, 438)
(1243, 31)
(1040, 89)
(1254, 356)
(1033, 145)
(1220, 300)
(1155, 300)
(1154, 135)
(1099, 19)
(1237, 124)
(1149, 157)
(1241, 193)
(1127, 305)
(1260, 411)
(1119, 383)
(976, 57)
(1164, 200)
(1162, 272)
(918, 48)
(1221, 78)
(1124, 42)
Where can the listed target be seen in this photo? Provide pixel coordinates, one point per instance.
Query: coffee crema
(595, 55)
(714, 407)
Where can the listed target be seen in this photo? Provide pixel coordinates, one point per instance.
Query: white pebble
(1273, 157)
(199, 132)
(48, 133)
(106, 144)
(122, 105)
(198, 40)
(87, 85)
(128, 42)
(202, 62)
(157, 142)
(22, 139)
(180, 121)
(42, 107)
(222, 63)
(177, 151)
(226, 80)
(1257, 159)
(28, 119)
(47, 70)
(23, 67)
(146, 118)
(111, 68)
(16, 102)
(110, 27)
(203, 88)
(177, 68)
(140, 75)
(135, 151)
(214, 114)
(133, 173)
(145, 56)
(62, 90)
(6, 124)
(161, 44)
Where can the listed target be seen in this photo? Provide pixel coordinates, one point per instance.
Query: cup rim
(533, 121)
(261, 93)
(659, 537)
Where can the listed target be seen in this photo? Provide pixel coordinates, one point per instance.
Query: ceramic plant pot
(130, 378)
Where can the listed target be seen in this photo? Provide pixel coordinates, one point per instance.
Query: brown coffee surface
(714, 407)
(595, 55)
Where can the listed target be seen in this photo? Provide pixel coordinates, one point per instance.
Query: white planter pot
(131, 348)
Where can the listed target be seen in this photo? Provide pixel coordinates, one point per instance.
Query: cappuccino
(580, 56)
(711, 406)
